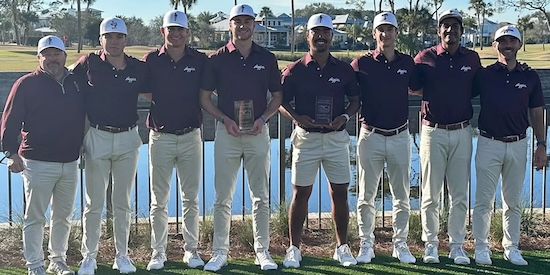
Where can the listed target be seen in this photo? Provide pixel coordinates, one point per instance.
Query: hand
(540, 158)
(231, 127)
(306, 122)
(257, 127)
(336, 123)
(15, 163)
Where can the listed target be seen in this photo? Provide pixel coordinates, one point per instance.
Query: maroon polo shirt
(175, 89)
(304, 81)
(112, 94)
(447, 82)
(49, 116)
(384, 88)
(236, 78)
(506, 98)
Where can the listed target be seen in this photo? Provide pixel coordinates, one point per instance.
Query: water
(317, 202)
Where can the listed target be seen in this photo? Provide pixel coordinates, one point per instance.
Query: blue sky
(148, 9)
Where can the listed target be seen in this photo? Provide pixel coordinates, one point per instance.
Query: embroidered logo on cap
(50, 40)
(114, 24)
(320, 18)
(333, 80)
(520, 85)
(242, 8)
(188, 69)
(175, 16)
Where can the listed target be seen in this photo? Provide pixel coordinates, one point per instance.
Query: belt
(449, 127)
(512, 138)
(320, 130)
(112, 129)
(387, 133)
(184, 131)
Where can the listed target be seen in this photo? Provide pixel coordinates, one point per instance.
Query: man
(241, 72)
(447, 72)
(510, 94)
(318, 84)
(384, 77)
(111, 144)
(175, 138)
(47, 108)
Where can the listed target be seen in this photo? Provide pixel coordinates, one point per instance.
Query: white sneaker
(87, 266)
(37, 271)
(59, 268)
(366, 253)
(459, 255)
(401, 251)
(157, 261)
(192, 259)
(430, 254)
(264, 260)
(293, 257)
(483, 256)
(513, 255)
(124, 264)
(218, 260)
(344, 256)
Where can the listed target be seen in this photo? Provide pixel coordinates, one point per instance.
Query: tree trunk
(292, 38)
(15, 25)
(482, 25)
(79, 26)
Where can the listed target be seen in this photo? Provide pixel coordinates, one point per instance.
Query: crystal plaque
(323, 110)
(244, 114)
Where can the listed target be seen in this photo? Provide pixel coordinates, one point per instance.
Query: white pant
(116, 154)
(165, 152)
(495, 158)
(47, 182)
(255, 153)
(445, 155)
(373, 150)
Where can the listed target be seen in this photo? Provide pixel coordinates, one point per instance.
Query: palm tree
(525, 24)
(477, 7)
(487, 11)
(187, 4)
(293, 40)
(266, 13)
(79, 18)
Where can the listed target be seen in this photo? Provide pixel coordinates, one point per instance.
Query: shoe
(483, 256)
(293, 257)
(157, 261)
(192, 259)
(459, 255)
(124, 264)
(513, 255)
(87, 266)
(59, 268)
(37, 271)
(218, 260)
(264, 260)
(401, 251)
(366, 253)
(430, 254)
(343, 255)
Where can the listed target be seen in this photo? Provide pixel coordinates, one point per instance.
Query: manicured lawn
(539, 263)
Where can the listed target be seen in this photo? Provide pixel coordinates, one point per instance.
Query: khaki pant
(373, 150)
(183, 152)
(255, 153)
(493, 159)
(116, 154)
(445, 155)
(46, 182)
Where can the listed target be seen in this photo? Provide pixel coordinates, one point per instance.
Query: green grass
(539, 263)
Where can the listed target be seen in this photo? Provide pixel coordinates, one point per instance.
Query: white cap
(242, 9)
(175, 18)
(384, 18)
(50, 41)
(451, 14)
(319, 20)
(112, 24)
(509, 30)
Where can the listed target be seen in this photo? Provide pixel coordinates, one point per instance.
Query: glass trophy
(244, 115)
(323, 109)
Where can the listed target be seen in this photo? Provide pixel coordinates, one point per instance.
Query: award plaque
(323, 110)
(244, 114)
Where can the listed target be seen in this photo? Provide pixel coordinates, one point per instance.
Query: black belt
(184, 131)
(449, 127)
(320, 130)
(112, 129)
(512, 138)
(387, 133)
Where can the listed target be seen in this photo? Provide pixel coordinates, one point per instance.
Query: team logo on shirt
(402, 71)
(259, 67)
(130, 79)
(520, 86)
(333, 80)
(188, 69)
(466, 68)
